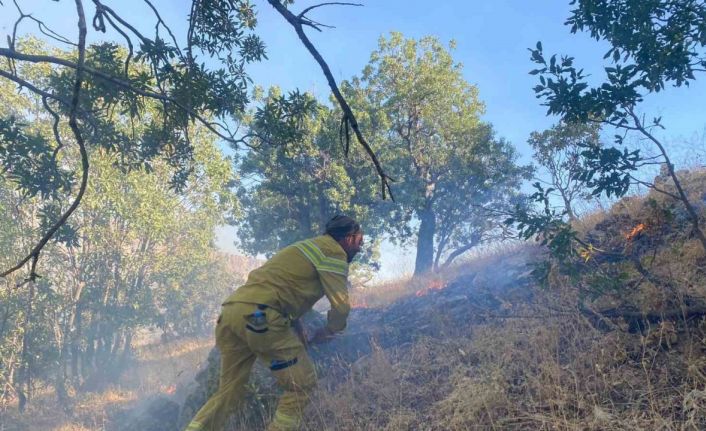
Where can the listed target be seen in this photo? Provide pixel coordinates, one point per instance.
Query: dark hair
(341, 226)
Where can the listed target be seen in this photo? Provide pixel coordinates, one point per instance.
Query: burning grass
(555, 367)
(551, 373)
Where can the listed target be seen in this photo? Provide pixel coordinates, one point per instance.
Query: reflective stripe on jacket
(295, 278)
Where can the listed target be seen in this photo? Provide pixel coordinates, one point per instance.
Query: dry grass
(478, 262)
(556, 373)
(163, 366)
(554, 369)
(559, 370)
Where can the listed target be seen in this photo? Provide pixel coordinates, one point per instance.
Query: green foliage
(282, 119)
(27, 158)
(142, 103)
(452, 172)
(608, 170)
(140, 255)
(664, 39)
(289, 192)
(652, 44)
(559, 152)
(424, 117)
(547, 225)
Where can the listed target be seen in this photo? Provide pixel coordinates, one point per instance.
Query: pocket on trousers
(256, 322)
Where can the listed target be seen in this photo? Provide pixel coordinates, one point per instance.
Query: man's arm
(333, 275)
(336, 290)
(300, 331)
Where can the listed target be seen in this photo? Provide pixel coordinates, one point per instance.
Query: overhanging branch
(310, 8)
(12, 54)
(298, 22)
(73, 123)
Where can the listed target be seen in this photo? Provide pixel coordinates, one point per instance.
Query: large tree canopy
(450, 165)
(290, 192)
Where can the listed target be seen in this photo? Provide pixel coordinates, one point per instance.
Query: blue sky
(492, 38)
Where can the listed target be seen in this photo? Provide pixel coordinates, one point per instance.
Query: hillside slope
(613, 339)
(434, 310)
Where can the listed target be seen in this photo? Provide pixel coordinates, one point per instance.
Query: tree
(138, 251)
(450, 166)
(200, 81)
(652, 44)
(558, 151)
(143, 254)
(289, 192)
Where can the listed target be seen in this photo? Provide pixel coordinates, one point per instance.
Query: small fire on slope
(359, 303)
(636, 231)
(433, 285)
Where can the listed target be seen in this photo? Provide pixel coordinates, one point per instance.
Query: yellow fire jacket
(295, 278)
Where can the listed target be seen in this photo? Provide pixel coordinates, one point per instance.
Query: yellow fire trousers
(245, 332)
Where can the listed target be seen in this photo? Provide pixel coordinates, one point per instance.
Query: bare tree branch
(40, 24)
(670, 169)
(55, 128)
(460, 250)
(23, 83)
(161, 21)
(348, 116)
(315, 25)
(654, 187)
(304, 12)
(131, 50)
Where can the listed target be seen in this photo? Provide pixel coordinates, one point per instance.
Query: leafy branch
(73, 123)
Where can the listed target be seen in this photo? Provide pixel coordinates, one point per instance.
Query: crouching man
(259, 321)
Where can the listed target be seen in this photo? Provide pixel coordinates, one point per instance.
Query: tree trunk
(76, 334)
(118, 338)
(567, 205)
(127, 349)
(26, 353)
(475, 240)
(90, 353)
(425, 242)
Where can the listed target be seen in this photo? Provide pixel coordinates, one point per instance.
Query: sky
(492, 38)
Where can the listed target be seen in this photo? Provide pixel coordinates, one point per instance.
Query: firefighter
(259, 320)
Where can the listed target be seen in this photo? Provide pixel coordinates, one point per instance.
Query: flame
(362, 303)
(170, 390)
(635, 231)
(433, 285)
